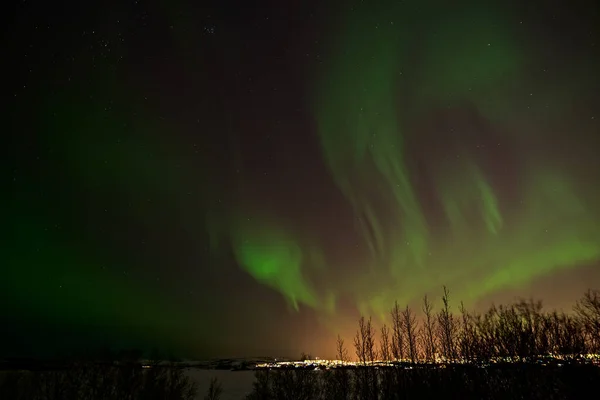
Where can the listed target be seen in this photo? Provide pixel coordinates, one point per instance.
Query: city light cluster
(440, 362)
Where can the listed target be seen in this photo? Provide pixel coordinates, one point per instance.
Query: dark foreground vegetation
(510, 352)
(517, 351)
(453, 382)
(98, 381)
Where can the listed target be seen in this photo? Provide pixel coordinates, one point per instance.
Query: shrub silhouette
(98, 382)
(104, 380)
(214, 390)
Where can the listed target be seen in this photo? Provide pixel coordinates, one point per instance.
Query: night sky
(242, 178)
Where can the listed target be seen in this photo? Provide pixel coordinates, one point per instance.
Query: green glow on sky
(362, 139)
(75, 280)
(276, 259)
(491, 243)
(476, 194)
(437, 145)
(55, 279)
(469, 53)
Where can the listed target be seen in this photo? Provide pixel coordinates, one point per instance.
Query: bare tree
(588, 311)
(364, 341)
(338, 385)
(364, 344)
(341, 351)
(397, 333)
(384, 349)
(428, 331)
(446, 328)
(467, 334)
(409, 324)
(530, 316)
(387, 380)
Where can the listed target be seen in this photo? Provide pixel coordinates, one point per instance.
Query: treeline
(520, 331)
(508, 352)
(518, 351)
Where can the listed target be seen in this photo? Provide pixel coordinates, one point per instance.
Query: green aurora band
(274, 259)
(385, 70)
(363, 140)
(363, 133)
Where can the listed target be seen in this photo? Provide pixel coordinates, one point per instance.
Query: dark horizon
(221, 179)
(137, 351)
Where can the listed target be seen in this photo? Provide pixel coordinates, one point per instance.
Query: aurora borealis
(241, 179)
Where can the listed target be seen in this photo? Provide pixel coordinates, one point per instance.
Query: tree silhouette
(409, 324)
(446, 328)
(428, 330)
(510, 351)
